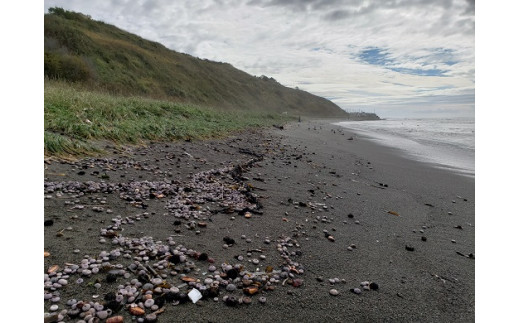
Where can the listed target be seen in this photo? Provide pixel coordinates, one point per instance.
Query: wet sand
(311, 177)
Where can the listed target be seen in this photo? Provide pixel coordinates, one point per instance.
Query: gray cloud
(470, 10)
(303, 5)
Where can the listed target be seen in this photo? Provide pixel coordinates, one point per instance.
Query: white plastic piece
(194, 295)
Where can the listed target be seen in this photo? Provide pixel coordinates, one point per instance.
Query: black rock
(203, 256)
(350, 215)
(114, 305)
(160, 300)
(48, 223)
(111, 278)
(423, 238)
(409, 248)
(232, 273)
(176, 259)
(170, 297)
(373, 286)
(229, 240)
(143, 278)
(81, 172)
(213, 291)
(231, 301)
(110, 296)
(183, 298)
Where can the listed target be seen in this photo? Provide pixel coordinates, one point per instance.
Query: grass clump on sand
(75, 119)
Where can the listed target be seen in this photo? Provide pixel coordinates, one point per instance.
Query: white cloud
(315, 44)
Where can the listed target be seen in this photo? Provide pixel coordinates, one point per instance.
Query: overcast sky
(399, 58)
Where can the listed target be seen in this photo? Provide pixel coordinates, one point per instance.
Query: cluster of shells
(183, 197)
(143, 275)
(159, 274)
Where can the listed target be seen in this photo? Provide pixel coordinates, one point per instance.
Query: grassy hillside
(76, 120)
(103, 57)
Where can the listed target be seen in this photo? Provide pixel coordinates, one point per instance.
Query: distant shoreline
(447, 143)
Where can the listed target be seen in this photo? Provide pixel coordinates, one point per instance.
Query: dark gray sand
(310, 178)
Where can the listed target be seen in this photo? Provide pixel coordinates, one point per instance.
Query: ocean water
(447, 143)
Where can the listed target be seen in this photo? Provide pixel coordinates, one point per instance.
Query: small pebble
(334, 292)
(231, 287)
(356, 290)
(102, 314)
(149, 302)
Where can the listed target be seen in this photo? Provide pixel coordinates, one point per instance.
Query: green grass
(76, 119)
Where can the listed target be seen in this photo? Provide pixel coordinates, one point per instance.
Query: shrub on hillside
(66, 67)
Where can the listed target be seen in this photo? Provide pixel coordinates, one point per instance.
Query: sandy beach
(316, 207)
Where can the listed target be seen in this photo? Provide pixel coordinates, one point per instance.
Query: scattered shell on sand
(52, 269)
(115, 319)
(136, 310)
(151, 268)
